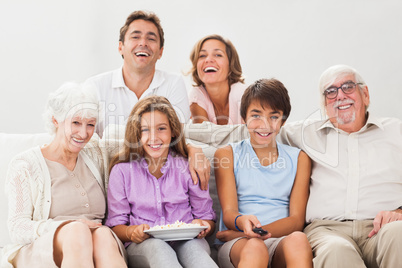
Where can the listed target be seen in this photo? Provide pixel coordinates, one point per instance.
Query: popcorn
(177, 224)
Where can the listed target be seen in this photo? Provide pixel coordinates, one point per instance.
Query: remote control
(260, 231)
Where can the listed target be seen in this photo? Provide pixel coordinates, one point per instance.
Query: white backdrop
(46, 42)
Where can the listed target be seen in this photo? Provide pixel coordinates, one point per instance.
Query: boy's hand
(247, 223)
(228, 235)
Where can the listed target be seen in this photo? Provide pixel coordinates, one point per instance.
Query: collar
(157, 80)
(118, 80)
(164, 168)
(371, 121)
(167, 163)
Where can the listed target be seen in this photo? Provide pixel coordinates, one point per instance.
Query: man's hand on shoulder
(384, 217)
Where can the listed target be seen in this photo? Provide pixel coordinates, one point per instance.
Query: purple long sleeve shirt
(137, 197)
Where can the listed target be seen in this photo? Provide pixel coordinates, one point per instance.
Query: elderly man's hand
(199, 166)
(384, 217)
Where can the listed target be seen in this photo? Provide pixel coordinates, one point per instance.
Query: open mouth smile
(78, 140)
(142, 54)
(210, 69)
(264, 135)
(344, 107)
(155, 146)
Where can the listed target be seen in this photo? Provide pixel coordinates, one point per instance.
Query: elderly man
(354, 208)
(141, 46)
(356, 182)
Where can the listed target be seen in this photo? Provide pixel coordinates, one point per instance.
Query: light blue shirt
(263, 191)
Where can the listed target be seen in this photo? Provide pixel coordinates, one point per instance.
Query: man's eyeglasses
(347, 88)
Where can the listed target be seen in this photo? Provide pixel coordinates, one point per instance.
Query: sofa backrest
(13, 144)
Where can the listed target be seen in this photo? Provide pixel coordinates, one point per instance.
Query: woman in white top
(219, 84)
(56, 192)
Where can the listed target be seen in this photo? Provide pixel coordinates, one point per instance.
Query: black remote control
(260, 231)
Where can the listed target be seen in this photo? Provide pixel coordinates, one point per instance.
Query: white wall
(45, 43)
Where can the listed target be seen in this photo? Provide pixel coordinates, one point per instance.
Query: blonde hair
(132, 147)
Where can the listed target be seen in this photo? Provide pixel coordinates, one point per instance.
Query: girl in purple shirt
(150, 184)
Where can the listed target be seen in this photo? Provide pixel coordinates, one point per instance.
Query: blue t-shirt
(263, 191)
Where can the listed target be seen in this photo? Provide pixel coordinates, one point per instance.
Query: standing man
(141, 46)
(354, 208)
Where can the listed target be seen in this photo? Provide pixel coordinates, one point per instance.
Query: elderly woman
(56, 192)
(219, 84)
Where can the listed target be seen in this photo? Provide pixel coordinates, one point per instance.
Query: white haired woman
(56, 192)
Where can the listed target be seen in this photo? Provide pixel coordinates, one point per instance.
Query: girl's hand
(137, 235)
(247, 223)
(203, 233)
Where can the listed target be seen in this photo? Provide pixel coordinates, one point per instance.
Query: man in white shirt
(141, 46)
(354, 209)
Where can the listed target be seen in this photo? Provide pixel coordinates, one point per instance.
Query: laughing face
(213, 63)
(141, 48)
(263, 123)
(348, 111)
(156, 135)
(74, 133)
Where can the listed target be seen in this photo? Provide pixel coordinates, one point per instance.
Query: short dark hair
(269, 92)
(143, 15)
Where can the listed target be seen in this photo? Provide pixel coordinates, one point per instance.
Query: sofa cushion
(11, 145)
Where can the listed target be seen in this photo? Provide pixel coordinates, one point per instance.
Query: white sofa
(12, 144)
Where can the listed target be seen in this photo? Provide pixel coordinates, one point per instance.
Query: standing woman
(56, 192)
(219, 83)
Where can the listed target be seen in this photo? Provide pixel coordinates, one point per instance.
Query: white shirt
(354, 176)
(117, 100)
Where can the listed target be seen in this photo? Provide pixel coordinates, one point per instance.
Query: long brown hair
(235, 71)
(132, 147)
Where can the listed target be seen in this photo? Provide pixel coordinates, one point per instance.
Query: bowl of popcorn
(176, 231)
